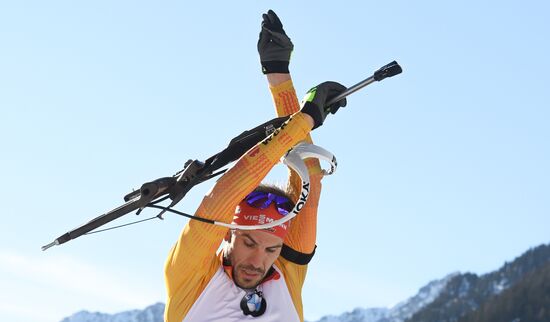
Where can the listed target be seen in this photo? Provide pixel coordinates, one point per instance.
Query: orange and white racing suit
(199, 286)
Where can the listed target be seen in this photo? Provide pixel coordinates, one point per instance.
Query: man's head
(253, 252)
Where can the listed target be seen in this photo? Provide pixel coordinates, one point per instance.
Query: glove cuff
(312, 110)
(275, 66)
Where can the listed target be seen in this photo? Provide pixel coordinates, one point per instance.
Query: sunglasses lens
(262, 200)
(258, 200)
(284, 206)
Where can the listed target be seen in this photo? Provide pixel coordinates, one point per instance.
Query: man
(258, 274)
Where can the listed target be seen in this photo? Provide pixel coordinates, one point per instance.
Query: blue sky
(443, 168)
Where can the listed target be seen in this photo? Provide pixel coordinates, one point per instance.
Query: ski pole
(388, 70)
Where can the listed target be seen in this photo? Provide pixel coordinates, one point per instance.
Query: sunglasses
(262, 200)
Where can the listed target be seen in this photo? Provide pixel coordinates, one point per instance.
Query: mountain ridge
(467, 292)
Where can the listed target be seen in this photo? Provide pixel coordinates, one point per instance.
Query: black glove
(316, 98)
(274, 46)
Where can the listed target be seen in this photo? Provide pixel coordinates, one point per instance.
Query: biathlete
(258, 274)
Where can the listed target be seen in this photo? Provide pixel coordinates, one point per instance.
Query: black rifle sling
(242, 143)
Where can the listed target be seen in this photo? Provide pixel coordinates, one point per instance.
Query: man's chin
(247, 283)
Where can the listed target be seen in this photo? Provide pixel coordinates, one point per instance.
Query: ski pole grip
(388, 70)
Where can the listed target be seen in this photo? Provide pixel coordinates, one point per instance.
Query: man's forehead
(260, 237)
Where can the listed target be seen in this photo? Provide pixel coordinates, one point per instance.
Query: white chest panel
(221, 300)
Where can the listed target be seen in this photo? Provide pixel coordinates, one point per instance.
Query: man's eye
(248, 244)
(270, 250)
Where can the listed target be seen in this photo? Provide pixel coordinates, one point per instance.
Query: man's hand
(315, 100)
(274, 46)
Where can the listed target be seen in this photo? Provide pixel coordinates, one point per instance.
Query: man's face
(252, 253)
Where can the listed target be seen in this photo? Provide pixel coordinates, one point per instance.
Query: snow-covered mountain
(362, 315)
(398, 313)
(466, 293)
(153, 313)
(459, 296)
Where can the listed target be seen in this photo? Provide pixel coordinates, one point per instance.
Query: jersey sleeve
(193, 257)
(302, 232)
(303, 229)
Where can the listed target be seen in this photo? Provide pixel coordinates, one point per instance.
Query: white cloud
(47, 288)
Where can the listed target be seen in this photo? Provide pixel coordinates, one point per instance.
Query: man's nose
(257, 258)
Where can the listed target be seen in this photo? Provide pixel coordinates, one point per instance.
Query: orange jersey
(193, 264)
